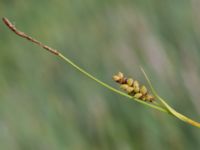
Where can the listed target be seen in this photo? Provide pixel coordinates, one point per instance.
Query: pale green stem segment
(169, 108)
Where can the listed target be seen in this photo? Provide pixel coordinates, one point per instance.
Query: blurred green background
(45, 104)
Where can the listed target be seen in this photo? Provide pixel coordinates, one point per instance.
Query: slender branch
(57, 53)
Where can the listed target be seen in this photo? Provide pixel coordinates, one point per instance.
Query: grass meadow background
(45, 104)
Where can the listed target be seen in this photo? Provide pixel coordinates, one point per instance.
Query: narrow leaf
(169, 108)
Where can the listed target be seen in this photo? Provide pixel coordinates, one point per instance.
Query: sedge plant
(131, 87)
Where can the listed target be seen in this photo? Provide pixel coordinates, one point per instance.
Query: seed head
(121, 75)
(116, 78)
(136, 86)
(138, 95)
(124, 86)
(119, 78)
(130, 81)
(132, 87)
(149, 97)
(143, 90)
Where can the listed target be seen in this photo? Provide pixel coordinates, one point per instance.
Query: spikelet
(130, 82)
(132, 87)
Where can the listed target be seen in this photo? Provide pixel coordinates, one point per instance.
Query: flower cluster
(133, 88)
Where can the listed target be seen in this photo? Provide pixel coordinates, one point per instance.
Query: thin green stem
(108, 86)
(92, 77)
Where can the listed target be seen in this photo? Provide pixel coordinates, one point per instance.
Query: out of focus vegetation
(47, 105)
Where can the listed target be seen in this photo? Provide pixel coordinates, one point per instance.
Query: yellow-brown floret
(132, 87)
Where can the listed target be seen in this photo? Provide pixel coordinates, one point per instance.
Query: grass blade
(169, 108)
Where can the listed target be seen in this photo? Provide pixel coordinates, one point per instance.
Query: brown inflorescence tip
(133, 88)
(29, 38)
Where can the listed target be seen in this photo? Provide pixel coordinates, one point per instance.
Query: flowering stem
(162, 106)
(57, 53)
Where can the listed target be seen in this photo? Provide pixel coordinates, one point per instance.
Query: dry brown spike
(23, 35)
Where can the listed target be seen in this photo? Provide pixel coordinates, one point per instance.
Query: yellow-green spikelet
(132, 87)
